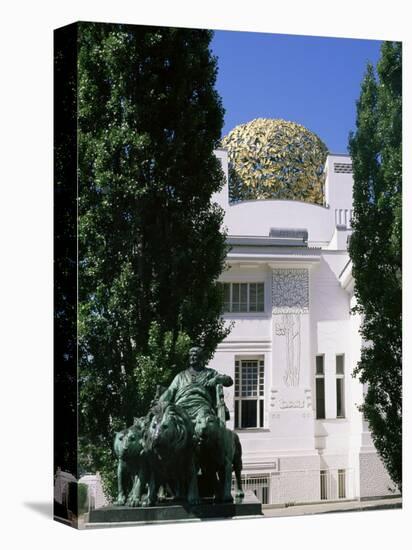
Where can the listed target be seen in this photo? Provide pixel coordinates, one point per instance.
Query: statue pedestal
(111, 516)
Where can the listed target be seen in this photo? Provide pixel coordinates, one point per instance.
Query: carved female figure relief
(290, 300)
(292, 333)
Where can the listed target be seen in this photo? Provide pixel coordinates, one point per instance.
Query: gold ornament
(275, 159)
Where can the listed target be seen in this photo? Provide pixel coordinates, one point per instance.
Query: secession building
(293, 346)
(288, 293)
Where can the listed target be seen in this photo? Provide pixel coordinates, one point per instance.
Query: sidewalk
(299, 510)
(344, 506)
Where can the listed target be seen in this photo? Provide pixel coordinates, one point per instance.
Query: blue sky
(310, 80)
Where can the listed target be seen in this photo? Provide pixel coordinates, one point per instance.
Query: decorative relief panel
(273, 398)
(292, 334)
(297, 402)
(290, 290)
(308, 398)
(288, 327)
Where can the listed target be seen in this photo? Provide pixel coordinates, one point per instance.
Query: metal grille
(292, 487)
(342, 168)
(335, 484)
(258, 483)
(341, 484)
(323, 485)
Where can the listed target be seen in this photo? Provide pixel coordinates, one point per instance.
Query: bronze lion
(218, 453)
(132, 467)
(169, 449)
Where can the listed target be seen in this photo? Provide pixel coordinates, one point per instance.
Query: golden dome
(275, 159)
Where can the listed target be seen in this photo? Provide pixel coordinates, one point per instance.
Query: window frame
(340, 386)
(240, 362)
(248, 302)
(320, 376)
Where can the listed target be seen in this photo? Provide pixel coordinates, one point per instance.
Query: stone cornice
(275, 256)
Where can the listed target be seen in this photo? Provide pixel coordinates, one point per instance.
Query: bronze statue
(218, 453)
(169, 450)
(194, 389)
(132, 466)
(184, 434)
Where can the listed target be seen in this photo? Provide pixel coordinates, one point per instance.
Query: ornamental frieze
(290, 290)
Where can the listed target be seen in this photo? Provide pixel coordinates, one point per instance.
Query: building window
(341, 484)
(243, 297)
(249, 393)
(323, 485)
(320, 386)
(340, 386)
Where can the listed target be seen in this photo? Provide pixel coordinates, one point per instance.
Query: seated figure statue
(198, 390)
(194, 389)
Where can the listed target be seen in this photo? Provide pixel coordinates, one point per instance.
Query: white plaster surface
(374, 479)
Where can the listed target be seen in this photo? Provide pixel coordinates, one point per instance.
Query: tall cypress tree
(150, 240)
(376, 251)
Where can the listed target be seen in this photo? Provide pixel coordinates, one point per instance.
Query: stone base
(172, 511)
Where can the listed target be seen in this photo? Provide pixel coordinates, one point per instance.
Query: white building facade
(293, 347)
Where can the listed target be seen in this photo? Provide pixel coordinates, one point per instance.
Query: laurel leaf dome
(275, 159)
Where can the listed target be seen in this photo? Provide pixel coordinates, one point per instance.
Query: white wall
(256, 218)
(374, 479)
(338, 190)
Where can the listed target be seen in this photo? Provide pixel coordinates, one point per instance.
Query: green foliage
(275, 159)
(165, 358)
(97, 456)
(82, 498)
(376, 251)
(150, 245)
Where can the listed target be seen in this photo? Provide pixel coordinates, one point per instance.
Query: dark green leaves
(376, 250)
(150, 245)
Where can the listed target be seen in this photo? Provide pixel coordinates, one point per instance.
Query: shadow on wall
(329, 301)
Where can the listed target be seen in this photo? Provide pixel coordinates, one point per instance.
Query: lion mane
(169, 447)
(168, 426)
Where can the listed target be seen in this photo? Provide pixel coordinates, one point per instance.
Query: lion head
(207, 429)
(169, 429)
(129, 443)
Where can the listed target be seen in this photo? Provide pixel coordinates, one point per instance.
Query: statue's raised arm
(218, 378)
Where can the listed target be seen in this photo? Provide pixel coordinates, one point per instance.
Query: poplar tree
(150, 241)
(376, 251)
